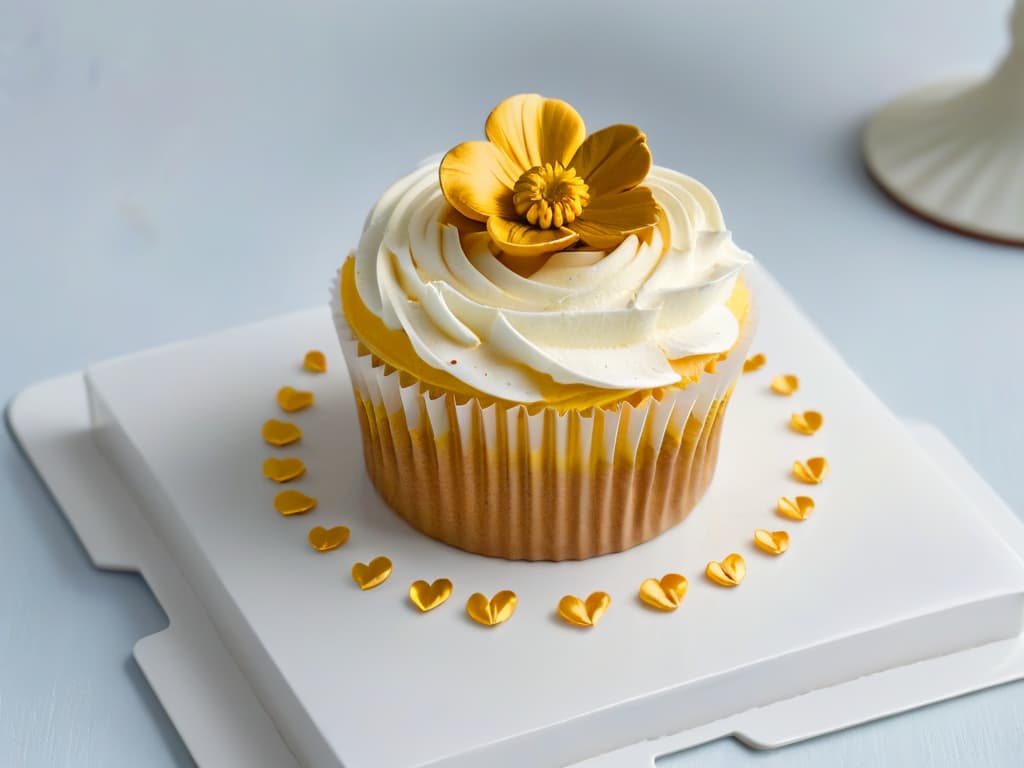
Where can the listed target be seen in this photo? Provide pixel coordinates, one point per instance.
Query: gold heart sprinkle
(806, 423)
(426, 596)
(315, 361)
(293, 503)
(293, 400)
(751, 364)
(799, 508)
(812, 471)
(325, 539)
(772, 542)
(584, 614)
(666, 594)
(727, 573)
(494, 611)
(280, 432)
(372, 575)
(283, 470)
(785, 385)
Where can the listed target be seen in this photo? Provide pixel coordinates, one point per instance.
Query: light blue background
(169, 169)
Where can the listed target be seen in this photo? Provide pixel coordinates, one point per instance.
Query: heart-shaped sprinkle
(325, 539)
(426, 596)
(293, 503)
(772, 542)
(812, 471)
(587, 613)
(283, 470)
(799, 508)
(315, 361)
(372, 575)
(727, 573)
(806, 423)
(752, 364)
(280, 432)
(785, 385)
(666, 594)
(494, 611)
(292, 400)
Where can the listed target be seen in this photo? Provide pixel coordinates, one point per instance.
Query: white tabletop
(168, 169)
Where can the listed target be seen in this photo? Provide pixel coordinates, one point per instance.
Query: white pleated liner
(533, 483)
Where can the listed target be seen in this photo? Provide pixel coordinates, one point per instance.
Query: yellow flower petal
(614, 159)
(533, 130)
(518, 239)
(477, 180)
(609, 219)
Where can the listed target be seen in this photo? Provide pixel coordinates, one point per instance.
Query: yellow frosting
(394, 349)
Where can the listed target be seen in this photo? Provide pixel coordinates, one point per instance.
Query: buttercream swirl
(611, 320)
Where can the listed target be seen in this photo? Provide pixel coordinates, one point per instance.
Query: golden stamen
(550, 195)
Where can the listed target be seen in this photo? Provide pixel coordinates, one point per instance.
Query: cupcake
(543, 332)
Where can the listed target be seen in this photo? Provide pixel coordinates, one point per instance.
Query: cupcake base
(527, 483)
(520, 504)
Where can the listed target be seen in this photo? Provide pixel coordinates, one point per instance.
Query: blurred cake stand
(953, 152)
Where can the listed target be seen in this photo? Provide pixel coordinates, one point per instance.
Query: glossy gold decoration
(325, 539)
(292, 400)
(541, 185)
(785, 385)
(665, 594)
(371, 575)
(772, 542)
(812, 471)
(587, 613)
(290, 503)
(799, 508)
(426, 596)
(280, 432)
(729, 572)
(806, 423)
(283, 470)
(315, 361)
(754, 363)
(494, 611)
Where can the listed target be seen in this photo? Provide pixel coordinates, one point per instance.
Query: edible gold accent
(292, 400)
(540, 186)
(315, 361)
(799, 508)
(665, 594)
(283, 470)
(292, 502)
(426, 596)
(587, 613)
(729, 572)
(280, 432)
(371, 575)
(812, 471)
(785, 385)
(806, 423)
(325, 539)
(754, 363)
(494, 611)
(772, 542)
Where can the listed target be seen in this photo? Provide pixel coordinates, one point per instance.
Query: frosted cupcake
(543, 332)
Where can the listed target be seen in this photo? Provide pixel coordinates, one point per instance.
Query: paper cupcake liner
(533, 483)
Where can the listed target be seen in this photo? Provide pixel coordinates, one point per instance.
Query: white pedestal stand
(953, 152)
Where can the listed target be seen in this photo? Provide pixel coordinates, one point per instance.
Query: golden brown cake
(543, 332)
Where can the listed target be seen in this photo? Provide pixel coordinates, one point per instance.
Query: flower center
(550, 195)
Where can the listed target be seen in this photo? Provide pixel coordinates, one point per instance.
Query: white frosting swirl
(609, 320)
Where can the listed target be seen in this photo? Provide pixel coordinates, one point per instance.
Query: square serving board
(906, 585)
